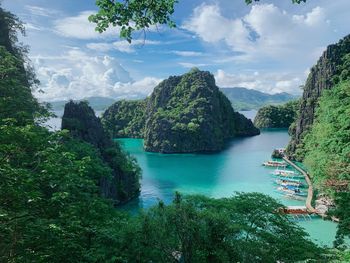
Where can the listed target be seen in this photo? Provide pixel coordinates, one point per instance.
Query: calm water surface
(238, 168)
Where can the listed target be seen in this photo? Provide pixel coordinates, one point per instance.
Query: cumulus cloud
(265, 32)
(265, 82)
(79, 27)
(76, 75)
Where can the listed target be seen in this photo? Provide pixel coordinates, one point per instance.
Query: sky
(269, 46)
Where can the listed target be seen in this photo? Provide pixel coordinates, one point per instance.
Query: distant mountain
(97, 103)
(249, 99)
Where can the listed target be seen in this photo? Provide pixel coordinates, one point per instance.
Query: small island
(184, 114)
(277, 116)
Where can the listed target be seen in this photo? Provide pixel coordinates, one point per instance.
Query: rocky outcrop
(184, 114)
(82, 123)
(244, 126)
(323, 76)
(125, 118)
(188, 114)
(281, 116)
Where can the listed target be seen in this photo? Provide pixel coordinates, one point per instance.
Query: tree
(244, 228)
(133, 15)
(16, 79)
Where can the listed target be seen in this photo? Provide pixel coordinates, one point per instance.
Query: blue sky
(269, 46)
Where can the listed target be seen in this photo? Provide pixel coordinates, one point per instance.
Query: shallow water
(237, 168)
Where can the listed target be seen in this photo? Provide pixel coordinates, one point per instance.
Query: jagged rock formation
(281, 116)
(125, 118)
(244, 126)
(323, 76)
(82, 123)
(184, 114)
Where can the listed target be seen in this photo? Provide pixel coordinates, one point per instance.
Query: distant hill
(97, 103)
(249, 99)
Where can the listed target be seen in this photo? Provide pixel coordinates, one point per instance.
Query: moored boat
(275, 164)
(288, 176)
(287, 182)
(291, 190)
(279, 172)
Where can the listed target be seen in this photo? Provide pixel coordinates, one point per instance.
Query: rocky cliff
(322, 76)
(82, 123)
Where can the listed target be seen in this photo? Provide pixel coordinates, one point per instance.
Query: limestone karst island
(181, 131)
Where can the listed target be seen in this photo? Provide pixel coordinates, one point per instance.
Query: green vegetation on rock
(185, 113)
(332, 67)
(281, 116)
(125, 118)
(327, 151)
(123, 183)
(321, 133)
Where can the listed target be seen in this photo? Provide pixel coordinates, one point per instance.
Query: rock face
(244, 126)
(82, 123)
(322, 77)
(125, 118)
(281, 116)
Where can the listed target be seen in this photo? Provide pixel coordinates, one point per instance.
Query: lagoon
(237, 168)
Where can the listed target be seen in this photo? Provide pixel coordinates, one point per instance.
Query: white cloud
(192, 65)
(266, 32)
(41, 11)
(121, 46)
(77, 75)
(265, 82)
(187, 53)
(30, 26)
(79, 27)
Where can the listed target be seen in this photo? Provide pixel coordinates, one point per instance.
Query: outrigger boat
(275, 164)
(291, 190)
(288, 182)
(279, 172)
(287, 176)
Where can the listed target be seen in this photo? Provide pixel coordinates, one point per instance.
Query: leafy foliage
(281, 116)
(132, 15)
(244, 228)
(125, 118)
(327, 151)
(16, 81)
(50, 205)
(327, 145)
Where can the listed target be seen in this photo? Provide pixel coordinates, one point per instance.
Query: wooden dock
(310, 193)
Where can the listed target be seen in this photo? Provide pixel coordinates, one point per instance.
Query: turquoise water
(237, 168)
